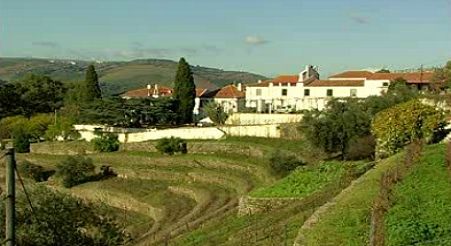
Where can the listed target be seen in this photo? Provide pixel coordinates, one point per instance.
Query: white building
(307, 91)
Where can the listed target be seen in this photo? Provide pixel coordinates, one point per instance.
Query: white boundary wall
(244, 119)
(134, 135)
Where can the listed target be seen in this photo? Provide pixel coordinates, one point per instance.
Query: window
(284, 92)
(353, 92)
(385, 84)
(307, 92)
(330, 92)
(259, 92)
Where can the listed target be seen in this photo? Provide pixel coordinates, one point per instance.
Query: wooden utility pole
(11, 198)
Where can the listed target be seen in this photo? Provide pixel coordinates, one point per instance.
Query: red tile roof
(352, 75)
(206, 93)
(144, 92)
(413, 78)
(338, 83)
(286, 79)
(230, 91)
(283, 79)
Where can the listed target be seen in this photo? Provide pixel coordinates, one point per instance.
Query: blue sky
(269, 37)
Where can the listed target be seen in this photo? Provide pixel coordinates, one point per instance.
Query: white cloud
(254, 40)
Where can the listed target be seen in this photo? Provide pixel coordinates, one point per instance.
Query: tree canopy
(185, 91)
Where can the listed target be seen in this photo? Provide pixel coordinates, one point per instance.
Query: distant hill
(117, 77)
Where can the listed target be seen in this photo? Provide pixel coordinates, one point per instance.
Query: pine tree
(185, 91)
(92, 87)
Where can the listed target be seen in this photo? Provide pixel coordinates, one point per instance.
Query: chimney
(260, 81)
(240, 86)
(156, 92)
(148, 90)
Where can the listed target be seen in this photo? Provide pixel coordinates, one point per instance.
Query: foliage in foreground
(216, 113)
(107, 142)
(403, 124)
(59, 218)
(171, 146)
(75, 170)
(421, 208)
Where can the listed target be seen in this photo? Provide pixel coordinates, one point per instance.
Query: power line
(26, 194)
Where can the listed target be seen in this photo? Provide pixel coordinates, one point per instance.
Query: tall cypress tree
(92, 86)
(185, 91)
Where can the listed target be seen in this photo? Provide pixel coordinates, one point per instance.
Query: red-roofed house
(154, 91)
(231, 98)
(307, 91)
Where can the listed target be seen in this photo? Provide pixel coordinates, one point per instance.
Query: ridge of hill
(120, 76)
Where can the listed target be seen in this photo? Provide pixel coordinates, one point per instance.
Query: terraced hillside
(117, 77)
(193, 199)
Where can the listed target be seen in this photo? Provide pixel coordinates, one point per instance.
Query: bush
(108, 142)
(362, 148)
(284, 164)
(171, 145)
(21, 140)
(216, 113)
(58, 218)
(75, 170)
(36, 172)
(401, 125)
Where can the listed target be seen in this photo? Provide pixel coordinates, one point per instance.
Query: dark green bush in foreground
(171, 145)
(60, 219)
(107, 142)
(75, 170)
(21, 141)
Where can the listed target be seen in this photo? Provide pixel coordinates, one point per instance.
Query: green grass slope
(346, 222)
(118, 77)
(421, 209)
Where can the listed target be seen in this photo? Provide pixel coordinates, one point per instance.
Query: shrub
(39, 124)
(401, 125)
(57, 218)
(216, 113)
(75, 170)
(284, 164)
(361, 148)
(108, 142)
(21, 140)
(171, 145)
(36, 172)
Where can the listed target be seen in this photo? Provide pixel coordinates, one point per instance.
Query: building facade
(307, 91)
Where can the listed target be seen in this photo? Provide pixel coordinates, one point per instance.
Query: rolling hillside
(117, 77)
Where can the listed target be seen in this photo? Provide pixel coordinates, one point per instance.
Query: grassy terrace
(346, 222)
(421, 209)
(303, 181)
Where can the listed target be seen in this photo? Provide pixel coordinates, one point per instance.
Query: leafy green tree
(39, 124)
(405, 123)
(185, 91)
(397, 84)
(108, 111)
(92, 86)
(9, 100)
(39, 94)
(332, 129)
(21, 140)
(383, 70)
(75, 170)
(58, 218)
(62, 129)
(442, 77)
(216, 113)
